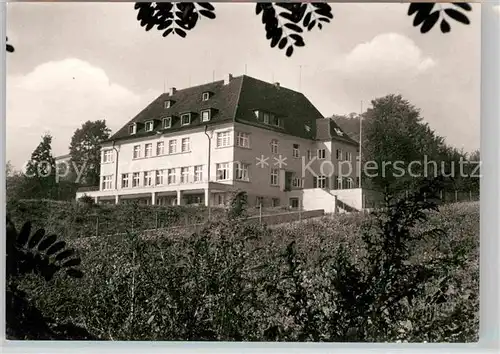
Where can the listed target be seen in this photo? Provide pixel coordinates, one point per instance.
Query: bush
(86, 199)
(412, 276)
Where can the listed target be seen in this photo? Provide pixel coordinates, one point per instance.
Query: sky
(75, 62)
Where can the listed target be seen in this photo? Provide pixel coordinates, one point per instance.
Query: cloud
(387, 55)
(496, 8)
(59, 96)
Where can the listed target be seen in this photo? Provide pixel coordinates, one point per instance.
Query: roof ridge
(270, 84)
(195, 86)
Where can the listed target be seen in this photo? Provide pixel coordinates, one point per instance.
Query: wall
(352, 197)
(260, 177)
(198, 155)
(315, 198)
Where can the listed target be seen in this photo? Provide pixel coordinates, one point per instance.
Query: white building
(198, 144)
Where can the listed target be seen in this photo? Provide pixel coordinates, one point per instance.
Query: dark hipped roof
(234, 101)
(294, 108)
(327, 129)
(223, 101)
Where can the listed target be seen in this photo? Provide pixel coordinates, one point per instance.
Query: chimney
(173, 90)
(228, 79)
(277, 84)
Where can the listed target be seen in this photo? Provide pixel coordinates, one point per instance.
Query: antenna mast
(360, 138)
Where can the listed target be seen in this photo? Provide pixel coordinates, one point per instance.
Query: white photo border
(489, 234)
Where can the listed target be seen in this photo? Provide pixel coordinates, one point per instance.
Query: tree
(9, 169)
(85, 149)
(39, 178)
(14, 181)
(396, 143)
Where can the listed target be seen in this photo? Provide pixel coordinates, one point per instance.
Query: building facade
(197, 145)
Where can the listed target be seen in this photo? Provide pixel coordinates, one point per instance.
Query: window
(149, 126)
(338, 131)
(167, 104)
(185, 146)
(160, 148)
(172, 146)
(297, 182)
(107, 182)
(276, 121)
(198, 173)
(205, 96)
(124, 180)
(259, 201)
(339, 182)
(320, 182)
(349, 183)
(148, 150)
(348, 156)
(184, 174)
(107, 156)
(241, 171)
(135, 179)
(137, 151)
(167, 122)
(296, 151)
(171, 175)
(321, 154)
(148, 179)
(309, 155)
(223, 139)
(294, 203)
(222, 171)
(205, 115)
(274, 176)
(276, 202)
(243, 139)
(132, 129)
(220, 199)
(186, 119)
(159, 177)
(274, 146)
(266, 118)
(339, 154)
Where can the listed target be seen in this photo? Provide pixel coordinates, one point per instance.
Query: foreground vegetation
(411, 274)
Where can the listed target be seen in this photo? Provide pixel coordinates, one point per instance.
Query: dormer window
(132, 129)
(205, 96)
(167, 122)
(266, 118)
(186, 119)
(205, 115)
(168, 104)
(149, 126)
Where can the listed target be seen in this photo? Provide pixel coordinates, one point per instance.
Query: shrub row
(240, 281)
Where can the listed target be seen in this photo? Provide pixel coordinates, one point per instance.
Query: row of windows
(321, 154)
(341, 182)
(160, 148)
(205, 96)
(223, 139)
(206, 115)
(169, 176)
(260, 201)
(269, 118)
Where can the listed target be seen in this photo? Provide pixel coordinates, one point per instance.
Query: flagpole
(360, 138)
